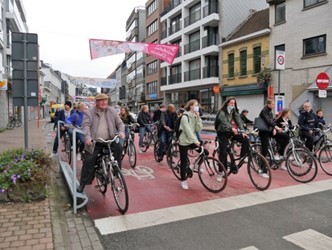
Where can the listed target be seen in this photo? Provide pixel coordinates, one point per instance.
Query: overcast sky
(64, 27)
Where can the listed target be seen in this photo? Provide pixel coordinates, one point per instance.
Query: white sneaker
(264, 175)
(140, 151)
(246, 160)
(283, 167)
(79, 156)
(184, 185)
(54, 154)
(277, 157)
(219, 177)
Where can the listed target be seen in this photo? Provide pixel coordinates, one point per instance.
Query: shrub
(24, 174)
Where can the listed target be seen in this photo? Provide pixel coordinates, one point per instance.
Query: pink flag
(101, 48)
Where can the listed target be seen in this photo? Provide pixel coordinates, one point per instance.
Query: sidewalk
(48, 224)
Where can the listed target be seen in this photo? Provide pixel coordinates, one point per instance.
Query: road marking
(140, 172)
(117, 224)
(310, 240)
(249, 248)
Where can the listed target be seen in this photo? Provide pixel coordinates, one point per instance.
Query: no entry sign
(322, 81)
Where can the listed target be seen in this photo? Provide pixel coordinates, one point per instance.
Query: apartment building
(135, 32)
(198, 26)
(302, 28)
(12, 19)
(245, 54)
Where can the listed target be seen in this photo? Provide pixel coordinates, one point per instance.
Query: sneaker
(184, 185)
(140, 151)
(265, 175)
(79, 156)
(246, 160)
(54, 154)
(283, 167)
(219, 177)
(277, 157)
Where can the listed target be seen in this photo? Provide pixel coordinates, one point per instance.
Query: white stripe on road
(310, 240)
(117, 224)
(249, 248)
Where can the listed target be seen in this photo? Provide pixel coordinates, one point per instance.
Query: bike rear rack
(70, 173)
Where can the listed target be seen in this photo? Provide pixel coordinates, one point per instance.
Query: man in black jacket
(144, 119)
(267, 115)
(307, 122)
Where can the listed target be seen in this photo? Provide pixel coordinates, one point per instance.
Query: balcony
(179, 52)
(171, 6)
(194, 17)
(192, 46)
(176, 78)
(163, 81)
(210, 40)
(212, 71)
(174, 28)
(163, 34)
(211, 9)
(192, 75)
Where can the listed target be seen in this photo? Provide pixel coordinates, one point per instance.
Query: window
(308, 3)
(131, 28)
(152, 7)
(231, 65)
(280, 13)
(257, 59)
(152, 68)
(243, 63)
(314, 45)
(152, 87)
(153, 27)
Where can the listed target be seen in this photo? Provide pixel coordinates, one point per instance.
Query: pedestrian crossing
(110, 225)
(307, 239)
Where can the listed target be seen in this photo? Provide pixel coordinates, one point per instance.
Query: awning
(252, 89)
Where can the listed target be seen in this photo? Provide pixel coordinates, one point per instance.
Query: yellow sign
(3, 85)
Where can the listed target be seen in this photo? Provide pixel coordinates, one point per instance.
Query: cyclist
(245, 119)
(191, 123)
(103, 122)
(143, 119)
(267, 115)
(227, 123)
(307, 122)
(320, 117)
(76, 120)
(127, 119)
(62, 115)
(157, 113)
(166, 128)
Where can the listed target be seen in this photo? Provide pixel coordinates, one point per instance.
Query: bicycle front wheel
(156, 150)
(301, 165)
(259, 171)
(325, 159)
(146, 142)
(120, 191)
(18, 123)
(10, 125)
(68, 150)
(212, 175)
(132, 154)
(101, 177)
(175, 165)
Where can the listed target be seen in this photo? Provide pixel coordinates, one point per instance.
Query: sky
(65, 26)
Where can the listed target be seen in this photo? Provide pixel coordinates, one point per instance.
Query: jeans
(142, 131)
(310, 139)
(56, 140)
(90, 160)
(164, 138)
(80, 137)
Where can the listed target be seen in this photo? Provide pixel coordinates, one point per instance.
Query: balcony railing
(192, 75)
(210, 9)
(171, 6)
(212, 71)
(179, 52)
(163, 81)
(176, 78)
(210, 40)
(163, 34)
(192, 46)
(174, 28)
(194, 17)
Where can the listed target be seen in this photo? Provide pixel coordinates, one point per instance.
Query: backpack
(177, 129)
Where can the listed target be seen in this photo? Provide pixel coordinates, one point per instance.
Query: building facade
(302, 28)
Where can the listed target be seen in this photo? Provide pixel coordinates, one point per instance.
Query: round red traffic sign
(322, 80)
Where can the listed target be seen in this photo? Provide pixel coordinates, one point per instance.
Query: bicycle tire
(156, 150)
(18, 123)
(295, 163)
(68, 150)
(121, 188)
(132, 154)
(171, 154)
(325, 159)
(146, 142)
(208, 173)
(101, 176)
(274, 165)
(215, 154)
(176, 165)
(10, 125)
(257, 166)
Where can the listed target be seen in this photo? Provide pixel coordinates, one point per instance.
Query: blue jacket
(75, 119)
(307, 121)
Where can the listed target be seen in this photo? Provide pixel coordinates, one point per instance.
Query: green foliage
(23, 170)
(264, 77)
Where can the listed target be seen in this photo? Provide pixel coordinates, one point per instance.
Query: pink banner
(101, 48)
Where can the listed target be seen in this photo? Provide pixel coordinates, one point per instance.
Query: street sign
(322, 80)
(322, 93)
(279, 101)
(280, 60)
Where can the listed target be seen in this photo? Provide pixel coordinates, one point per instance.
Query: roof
(257, 21)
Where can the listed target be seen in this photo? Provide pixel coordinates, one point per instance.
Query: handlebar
(151, 124)
(108, 142)
(131, 125)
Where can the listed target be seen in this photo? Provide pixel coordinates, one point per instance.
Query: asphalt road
(260, 226)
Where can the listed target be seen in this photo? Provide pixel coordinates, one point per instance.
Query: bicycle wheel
(156, 150)
(101, 177)
(325, 159)
(68, 150)
(172, 154)
(301, 165)
(274, 165)
(146, 142)
(259, 171)
(120, 191)
(10, 125)
(212, 175)
(132, 154)
(18, 123)
(176, 164)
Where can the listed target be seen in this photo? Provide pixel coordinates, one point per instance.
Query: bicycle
(257, 165)
(107, 171)
(129, 146)
(14, 121)
(149, 136)
(67, 149)
(211, 172)
(170, 150)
